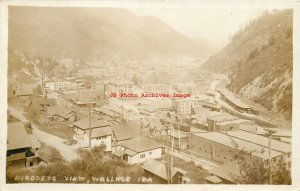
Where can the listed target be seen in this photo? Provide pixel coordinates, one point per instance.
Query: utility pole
(179, 146)
(270, 154)
(270, 159)
(168, 159)
(90, 126)
(172, 157)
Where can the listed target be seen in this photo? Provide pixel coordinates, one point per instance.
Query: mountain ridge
(259, 61)
(95, 33)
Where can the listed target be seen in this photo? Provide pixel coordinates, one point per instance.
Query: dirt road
(67, 151)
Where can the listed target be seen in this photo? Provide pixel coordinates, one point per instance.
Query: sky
(214, 25)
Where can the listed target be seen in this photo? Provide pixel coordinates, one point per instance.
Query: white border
(151, 3)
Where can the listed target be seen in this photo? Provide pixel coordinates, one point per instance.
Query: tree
(250, 172)
(253, 171)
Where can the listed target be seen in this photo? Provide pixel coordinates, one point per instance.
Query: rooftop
(224, 117)
(16, 136)
(214, 179)
(158, 106)
(58, 110)
(235, 121)
(227, 140)
(261, 140)
(159, 169)
(118, 152)
(211, 104)
(230, 96)
(125, 131)
(95, 122)
(140, 144)
(120, 82)
(188, 99)
(100, 132)
(253, 128)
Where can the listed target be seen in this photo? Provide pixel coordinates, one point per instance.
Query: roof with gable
(100, 132)
(24, 90)
(231, 97)
(227, 140)
(16, 136)
(59, 110)
(125, 131)
(159, 169)
(261, 140)
(140, 144)
(95, 122)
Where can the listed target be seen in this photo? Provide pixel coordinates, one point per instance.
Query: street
(68, 152)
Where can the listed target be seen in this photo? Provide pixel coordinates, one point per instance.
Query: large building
(234, 102)
(119, 86)
(184, 106)
(54, 86)
(225, 147)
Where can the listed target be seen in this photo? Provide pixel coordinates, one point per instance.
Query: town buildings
(54, 86)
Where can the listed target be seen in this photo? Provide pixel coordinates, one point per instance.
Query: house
(157, 170)
(153, 126)
(40, 105)
(99, 136)
(52, 94)
(138, 150)
(24, 91)
(22, 149)
(100, 132)
(61, 113)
